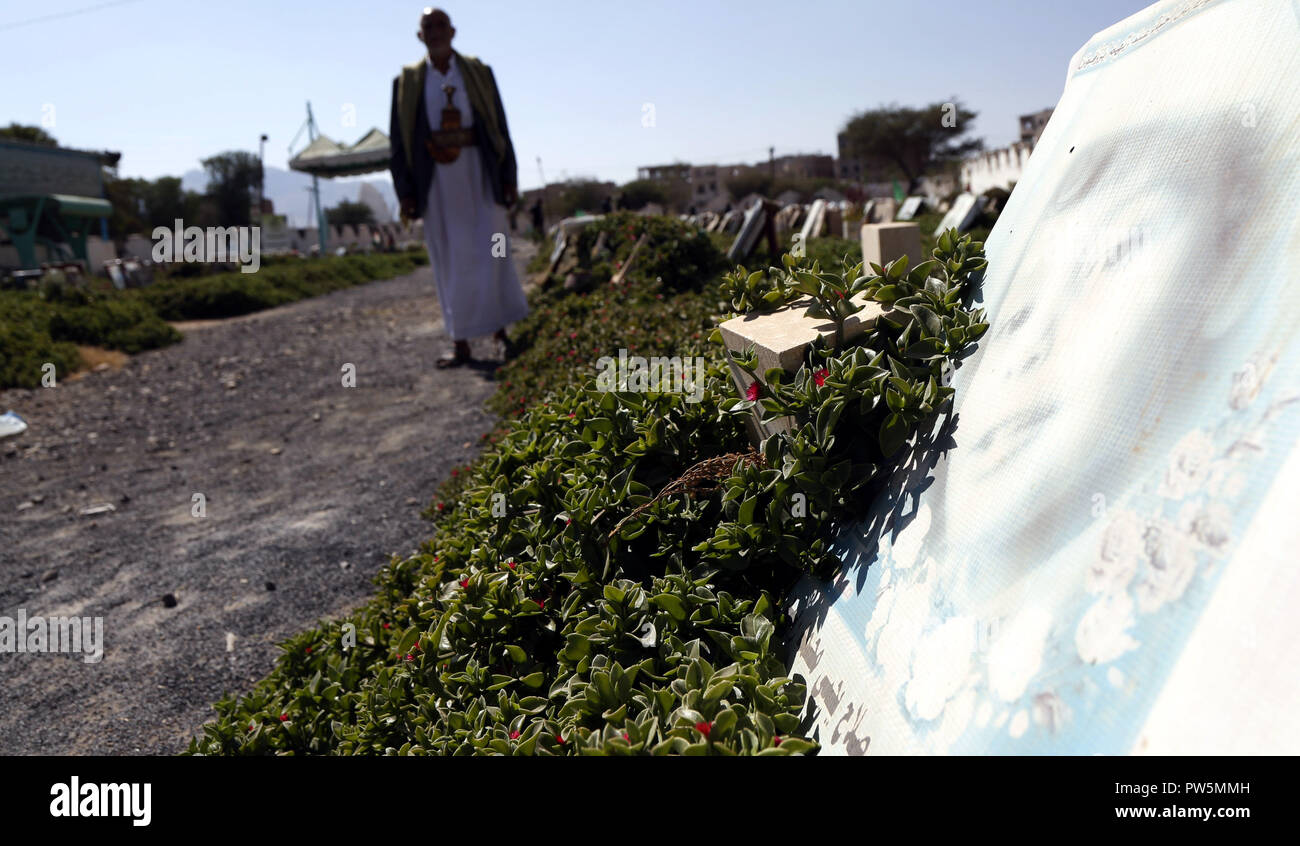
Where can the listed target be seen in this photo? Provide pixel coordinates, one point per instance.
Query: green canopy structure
(51, 197)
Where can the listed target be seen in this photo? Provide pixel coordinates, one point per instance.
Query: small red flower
(625, 737)
(284, 718)
(753, 392)
(704, 728)
(567, 521)
(514, 735)
(408, 656)
(776, 741)
(512, 565)
(541, 604)
(388, 625)
(820, 377)
(455, 472)
(309, 650)
(559, 740)
(250, 726)
(464, 583)
(441, 506)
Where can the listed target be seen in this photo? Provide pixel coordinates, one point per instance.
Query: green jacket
(411, 166)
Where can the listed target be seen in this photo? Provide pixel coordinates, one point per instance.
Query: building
(50, 200)
(995, 168)
(1002, 168)
(1031, 126)
(805, 166)
(676, 172)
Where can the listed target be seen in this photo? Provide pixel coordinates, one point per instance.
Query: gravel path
(309, 487)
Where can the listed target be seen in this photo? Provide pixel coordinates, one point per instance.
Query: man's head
(436, 32)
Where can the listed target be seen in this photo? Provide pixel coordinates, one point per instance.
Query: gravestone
(885, 242)
(621, 274)
(1093, 551)
(750, 230)
(834, 221)
(962, 214)
(883, 210)
(911, 207)
(780, 339)
(816, 220)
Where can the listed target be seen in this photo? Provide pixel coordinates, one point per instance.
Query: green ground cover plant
(43, 326)
(610, 576)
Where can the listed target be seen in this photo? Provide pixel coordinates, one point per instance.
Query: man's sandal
(454, 359)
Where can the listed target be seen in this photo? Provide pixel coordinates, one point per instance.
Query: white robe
(466, 231)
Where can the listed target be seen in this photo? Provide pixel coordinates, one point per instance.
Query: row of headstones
(822, 218)
(885, 228)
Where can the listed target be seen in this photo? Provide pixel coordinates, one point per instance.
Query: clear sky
(168, 82)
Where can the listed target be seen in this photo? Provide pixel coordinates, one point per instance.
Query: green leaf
(577, 646)
(893, 433)
(671, 604)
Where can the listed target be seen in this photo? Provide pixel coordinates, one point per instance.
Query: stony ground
(308, 488)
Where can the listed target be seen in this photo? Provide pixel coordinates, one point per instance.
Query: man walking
(454, 166)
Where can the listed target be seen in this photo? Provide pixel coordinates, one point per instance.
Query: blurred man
(454, 166)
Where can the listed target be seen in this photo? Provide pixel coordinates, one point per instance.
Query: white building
(995, 168)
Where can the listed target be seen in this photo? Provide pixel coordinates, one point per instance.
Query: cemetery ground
(308, 488)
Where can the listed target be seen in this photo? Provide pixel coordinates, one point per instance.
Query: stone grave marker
(885, 242)
(911, 207)
(814, 223)
(962, 214)
(781, 338)
(750, 230)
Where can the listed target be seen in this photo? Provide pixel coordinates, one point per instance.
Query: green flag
(899, 196)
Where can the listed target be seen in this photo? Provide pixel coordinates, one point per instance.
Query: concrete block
(781, 339)
(884, 242)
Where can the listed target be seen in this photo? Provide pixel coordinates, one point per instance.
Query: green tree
(912, 141)
(130, 209)
(752, 181)
(641, 191)
(165, 201)
(233, 178)
(348, 212)
(30, 134)
(576, 195)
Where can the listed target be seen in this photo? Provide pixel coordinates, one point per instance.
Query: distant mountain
(288, 190)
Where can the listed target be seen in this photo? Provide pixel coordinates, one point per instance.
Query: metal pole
(315, 185)
(545, 193)
(261, 178)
